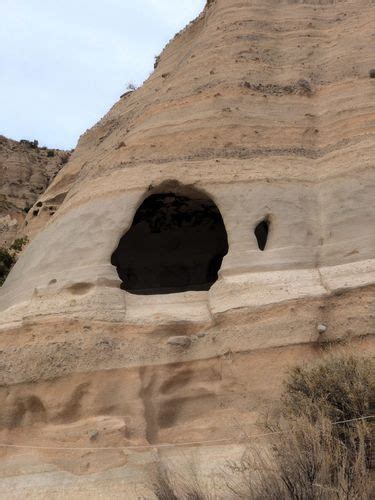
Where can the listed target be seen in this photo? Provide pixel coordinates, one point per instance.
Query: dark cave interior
(176, 243)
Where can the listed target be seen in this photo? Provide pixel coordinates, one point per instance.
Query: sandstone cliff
(261, 111)
(26, 170)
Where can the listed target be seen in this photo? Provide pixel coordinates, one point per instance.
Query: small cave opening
(261, 233)
(176, 243)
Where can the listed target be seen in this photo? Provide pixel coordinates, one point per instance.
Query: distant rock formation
(26, 170)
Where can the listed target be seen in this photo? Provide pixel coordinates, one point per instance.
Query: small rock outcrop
(179, 341)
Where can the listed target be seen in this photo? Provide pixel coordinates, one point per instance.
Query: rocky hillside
(26, 170)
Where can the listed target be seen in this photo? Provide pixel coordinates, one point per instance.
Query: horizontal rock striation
(264, 110)
(265, 106)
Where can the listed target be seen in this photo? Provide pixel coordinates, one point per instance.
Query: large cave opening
(176, 243)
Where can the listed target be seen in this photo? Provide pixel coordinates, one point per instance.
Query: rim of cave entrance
(176, 243)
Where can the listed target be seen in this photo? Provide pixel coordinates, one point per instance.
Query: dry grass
(343, 387)
(307, 462)
(317, 454)
(314, 455)
(185, 483)
(162, 484)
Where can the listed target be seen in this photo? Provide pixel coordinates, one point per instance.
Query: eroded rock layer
(264, 110)
(26, 170)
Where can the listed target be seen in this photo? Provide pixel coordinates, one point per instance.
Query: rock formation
(26, 170)
(207, 228)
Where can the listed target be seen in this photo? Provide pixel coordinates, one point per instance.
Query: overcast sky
(63, 63)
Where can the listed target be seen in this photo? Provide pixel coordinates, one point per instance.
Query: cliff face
(259, 121)
(25, 172)
(245, 82)
(265, 107)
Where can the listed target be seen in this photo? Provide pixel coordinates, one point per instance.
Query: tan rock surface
(26, 170)
(268, 108)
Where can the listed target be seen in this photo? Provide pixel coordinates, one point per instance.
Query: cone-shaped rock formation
(267, 107)
(227, 202)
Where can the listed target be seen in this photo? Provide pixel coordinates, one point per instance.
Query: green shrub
(8, 257)
(308, 462)
(323, 451)
(19, 243)
(313, 454)
(7, 261)
(341, 388)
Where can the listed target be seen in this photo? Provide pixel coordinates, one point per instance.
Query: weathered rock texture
(25, 172)
(266, 107)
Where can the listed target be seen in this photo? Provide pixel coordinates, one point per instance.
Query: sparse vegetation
(307, 462)
(131, 87)
(162, 484)
(157, 61)
(171, 485)
(19, 243)
(8, 257)
(342, 387)
(31, 144)
(320, 449)
(7, 261)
